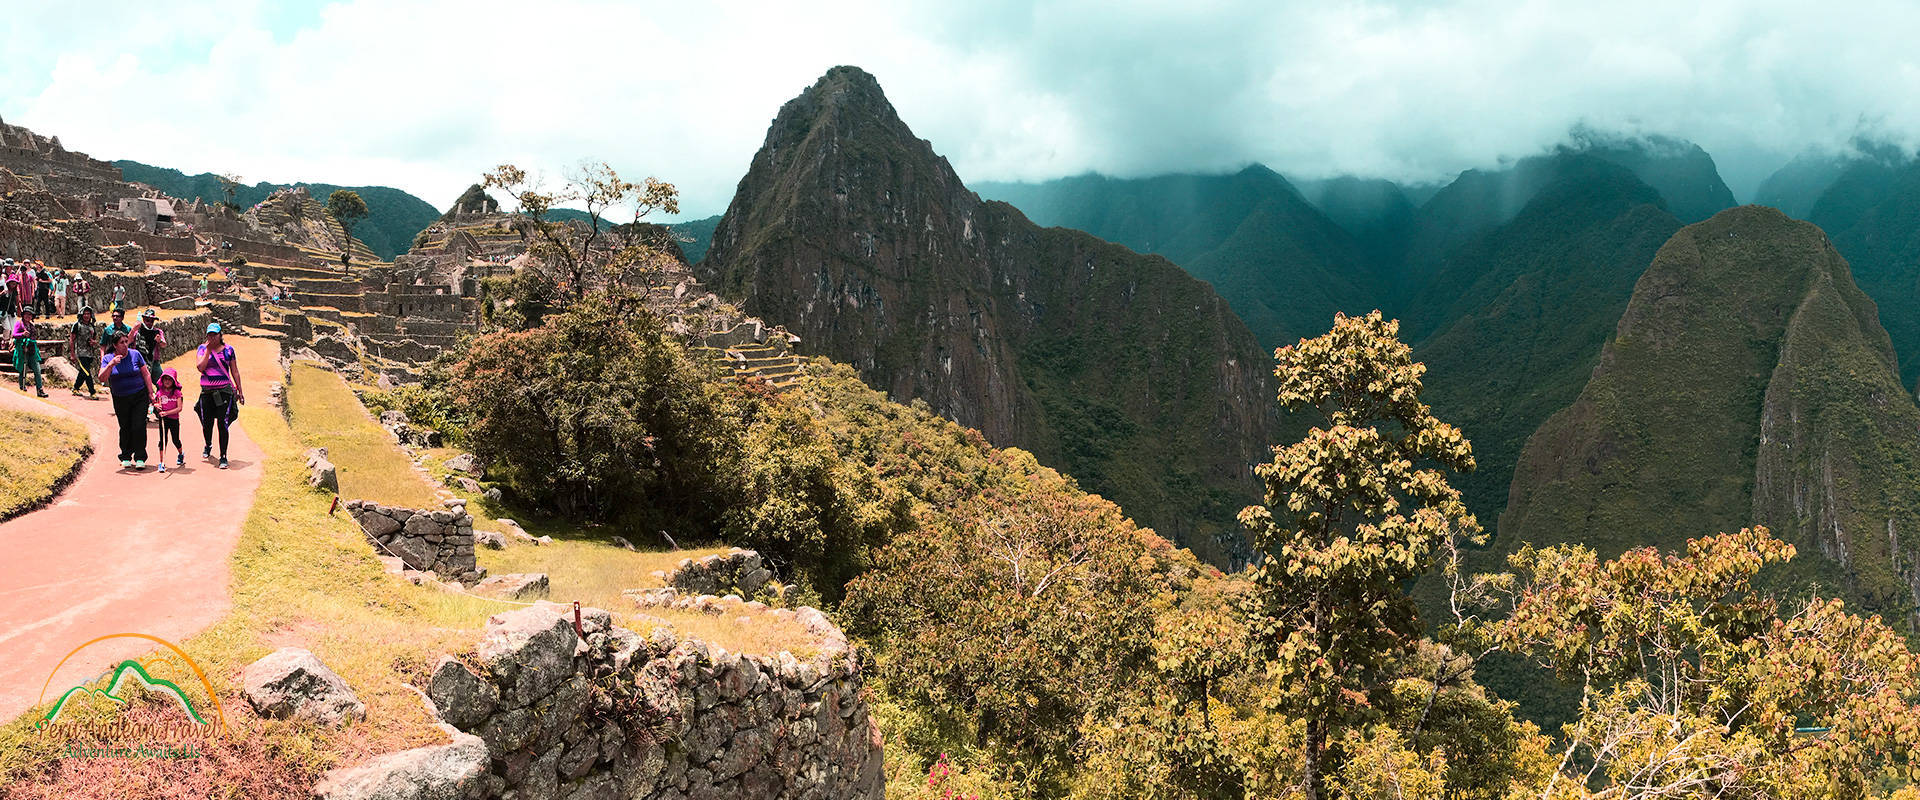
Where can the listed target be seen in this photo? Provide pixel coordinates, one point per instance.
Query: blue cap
(213, 327)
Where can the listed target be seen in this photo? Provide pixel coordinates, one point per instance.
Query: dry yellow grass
(37, 453)
(371, 467)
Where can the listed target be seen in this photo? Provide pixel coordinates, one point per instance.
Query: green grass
(38, 452)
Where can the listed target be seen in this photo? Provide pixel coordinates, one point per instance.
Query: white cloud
(426, 94)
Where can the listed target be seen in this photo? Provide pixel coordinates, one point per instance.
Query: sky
(426, 95)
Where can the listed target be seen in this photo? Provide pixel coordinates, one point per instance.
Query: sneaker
(125, 463)
(179, 461)
(139, 465)
(42, 393)
(223, 462)
(207, 452)
(163, 466)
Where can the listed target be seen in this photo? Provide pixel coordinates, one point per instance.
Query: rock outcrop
(1107, 364)
(736, 570)
(453, 771)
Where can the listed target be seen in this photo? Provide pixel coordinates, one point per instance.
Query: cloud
(426, 94)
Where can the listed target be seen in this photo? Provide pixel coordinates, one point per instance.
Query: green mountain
(1283, 265)
(393, 219)
(695, 236)
(1512, 324)
(1115, 367)
(1679, 170)
(1794, 188)
(1747, 382)
(1377, 213)
(1872, 211)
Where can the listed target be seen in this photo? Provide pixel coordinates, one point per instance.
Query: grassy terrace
(304, 577)
(37, 453)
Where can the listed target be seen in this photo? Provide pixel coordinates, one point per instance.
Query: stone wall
(615, 714)
(440, 541)
(736, 570)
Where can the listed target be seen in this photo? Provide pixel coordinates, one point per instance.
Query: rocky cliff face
(1117, 368)
(1749, 381)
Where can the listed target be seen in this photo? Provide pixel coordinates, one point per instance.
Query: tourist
(167, 399)
(119, 296)
(130, 382)
(60, 284)
(220, 391)
(26, 352)
(80, 288)
(118, 327)
(203, 286)
(43, 296)
(83, 341)
(11, 303)
(149, 338)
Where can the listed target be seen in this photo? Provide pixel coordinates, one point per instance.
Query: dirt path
(120, 551)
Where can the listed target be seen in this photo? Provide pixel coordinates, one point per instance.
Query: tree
(1694, 686)
(1010, 617)
(230, 186)
(573, 254)
(348, 209)
(1352, 515)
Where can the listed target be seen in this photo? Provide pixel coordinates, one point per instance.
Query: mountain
(1113, 366)
(393, 216)
(1679, 170)
(1512, 323)
(1795, 187)
(695, 236)
(1284, 266)
(1377, 213)
(1872, 211)
(1747, 382)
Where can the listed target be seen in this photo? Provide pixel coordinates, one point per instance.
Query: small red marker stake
(335, 506)
(581, 632)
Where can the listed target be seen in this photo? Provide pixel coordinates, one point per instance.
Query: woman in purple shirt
(220, 391)
(125, 373)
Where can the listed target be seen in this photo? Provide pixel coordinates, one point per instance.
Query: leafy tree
(230, 186)
(1006, 621)
(1352, 516)
(602, 414)
(348, 209)
(1694, 686)
(576, 256)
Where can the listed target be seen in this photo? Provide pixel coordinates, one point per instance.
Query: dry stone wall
(439, 541)
(736, 570)
(612, 714)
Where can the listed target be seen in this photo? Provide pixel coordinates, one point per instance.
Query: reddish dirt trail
(120, 551)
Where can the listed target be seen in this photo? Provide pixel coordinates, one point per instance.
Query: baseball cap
(213, 327)
(149, 314)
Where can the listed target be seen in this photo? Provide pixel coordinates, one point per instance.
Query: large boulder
(465, 462)
(442, 772)
(290, 683)
(491, 540)
(321, 473)
(461, 697)
(530, 650)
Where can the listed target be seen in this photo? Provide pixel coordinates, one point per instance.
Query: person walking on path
(118, 327)
(83, 342)
(43, 295)
(220, 391)
(119, 296)
(60, 283)
(80, 288)
(9, 302)
(131, 384)
(167, 400)
(148, 338)
(26, 352)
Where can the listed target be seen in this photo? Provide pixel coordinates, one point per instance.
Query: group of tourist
(33, 286)
(126, 358)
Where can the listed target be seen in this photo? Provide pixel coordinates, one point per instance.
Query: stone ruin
(737, 570)
(546, 706)
(435, 541)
